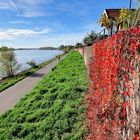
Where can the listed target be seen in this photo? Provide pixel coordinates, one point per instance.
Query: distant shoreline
(42, 48)
(43, 56)
(8, 82)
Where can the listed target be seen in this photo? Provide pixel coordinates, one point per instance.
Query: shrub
(33, 64)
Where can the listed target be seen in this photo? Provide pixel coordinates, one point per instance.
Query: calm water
(39, 56)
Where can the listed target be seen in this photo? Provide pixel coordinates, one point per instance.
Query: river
(39, 56)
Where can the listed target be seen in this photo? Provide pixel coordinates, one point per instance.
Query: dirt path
(10, 96)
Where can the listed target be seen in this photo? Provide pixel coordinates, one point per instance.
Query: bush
(33, 64)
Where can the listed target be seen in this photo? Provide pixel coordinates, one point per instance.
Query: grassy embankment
(55, 109)
(6, 83)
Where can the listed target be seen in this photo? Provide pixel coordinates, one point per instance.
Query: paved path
(10, 96)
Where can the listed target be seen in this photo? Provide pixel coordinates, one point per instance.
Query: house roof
(113, 13)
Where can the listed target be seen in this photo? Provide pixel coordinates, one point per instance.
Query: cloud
(30, 8)
(19, 22)
(11, 34)
(60, 39)
(35, 2)
(35, 8)
(30, 13)
(54, 40)
(4, 4)
(25, 8)
(13, 4)
(8, 4)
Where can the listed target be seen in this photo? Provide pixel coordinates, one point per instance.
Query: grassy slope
(54, 110)
(6, 83)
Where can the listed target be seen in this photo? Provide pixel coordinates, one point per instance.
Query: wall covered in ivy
(114, 90)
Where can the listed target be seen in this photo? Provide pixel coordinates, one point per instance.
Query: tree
(8, 63)
(3, 48)
(61, 47)
(136, 18)
(66, 48)
(33, 64)
(90, 38)
(125, 18)
(105, 21)
(78, 45)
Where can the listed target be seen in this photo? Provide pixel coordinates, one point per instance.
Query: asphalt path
(12, 95)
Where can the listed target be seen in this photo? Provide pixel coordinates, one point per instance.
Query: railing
(106, 32)
(103, 32)
(101, 35)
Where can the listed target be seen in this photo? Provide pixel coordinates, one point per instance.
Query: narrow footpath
(12, 95)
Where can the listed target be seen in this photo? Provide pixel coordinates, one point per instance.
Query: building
(113, 14)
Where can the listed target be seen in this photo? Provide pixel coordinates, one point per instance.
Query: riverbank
(54, 109)
(8, 82)
(11, 96)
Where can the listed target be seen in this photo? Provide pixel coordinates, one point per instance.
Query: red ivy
(106, 112)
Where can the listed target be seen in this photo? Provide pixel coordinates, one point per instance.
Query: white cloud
(30, 8)
(11, 34)
(4, 4)
(13, 4)
(19, 22)
(59, 39)
(7, 4)
(33, 8)
(30, 13)
(25, 8)
(46, 40)
(35, 2)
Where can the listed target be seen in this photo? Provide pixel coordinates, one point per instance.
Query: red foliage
(136, 137)
(111, 68)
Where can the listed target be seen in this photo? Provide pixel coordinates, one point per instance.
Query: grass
(54, 109)
(6, 83)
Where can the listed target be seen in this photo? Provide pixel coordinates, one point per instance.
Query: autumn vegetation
(113, 99)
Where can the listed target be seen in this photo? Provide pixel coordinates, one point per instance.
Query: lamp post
(129, 20)
(130, 4)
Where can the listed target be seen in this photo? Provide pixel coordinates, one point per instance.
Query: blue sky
(41, 23)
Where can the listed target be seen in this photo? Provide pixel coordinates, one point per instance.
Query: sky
(51, 23)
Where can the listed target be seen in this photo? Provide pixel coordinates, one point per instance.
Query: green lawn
(6, 83)
(55, 109)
